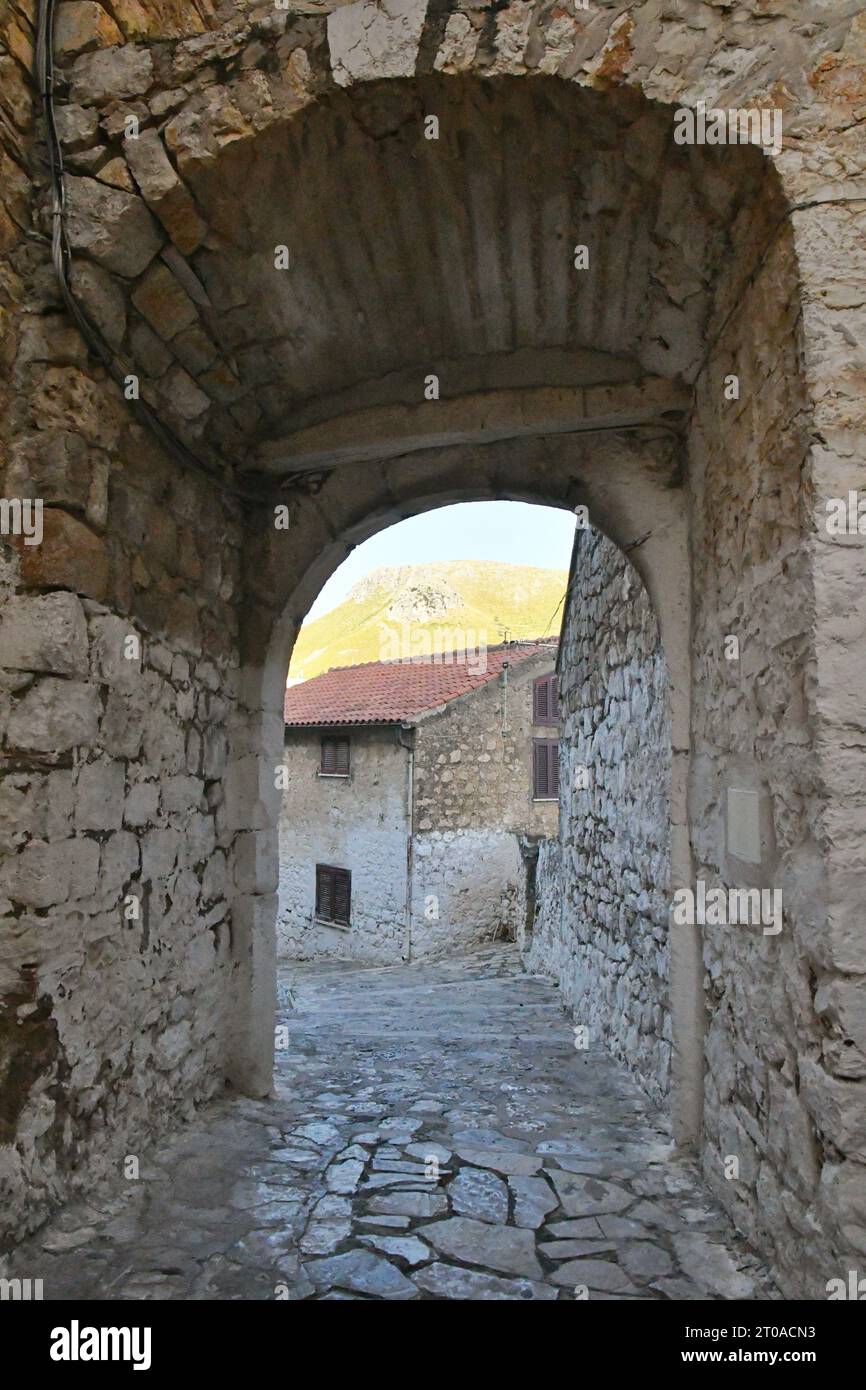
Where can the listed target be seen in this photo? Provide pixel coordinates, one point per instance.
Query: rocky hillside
(415, 609)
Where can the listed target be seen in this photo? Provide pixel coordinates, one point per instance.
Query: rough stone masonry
(200, 139)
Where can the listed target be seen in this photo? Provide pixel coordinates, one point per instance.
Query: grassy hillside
(388, 613)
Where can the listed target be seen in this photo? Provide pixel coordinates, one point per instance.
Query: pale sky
(512, 532)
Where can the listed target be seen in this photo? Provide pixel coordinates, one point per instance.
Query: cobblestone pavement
(434, 1134)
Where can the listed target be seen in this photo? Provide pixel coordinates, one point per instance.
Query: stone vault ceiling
(407, 255)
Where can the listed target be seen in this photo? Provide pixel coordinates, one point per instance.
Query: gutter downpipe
(410, 810)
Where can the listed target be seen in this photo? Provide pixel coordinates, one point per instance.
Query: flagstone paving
(433, 1134)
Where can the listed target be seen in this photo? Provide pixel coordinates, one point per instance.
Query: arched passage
(698, 282)
(628, 482)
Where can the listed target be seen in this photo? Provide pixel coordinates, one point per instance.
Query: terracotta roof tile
(394, 692)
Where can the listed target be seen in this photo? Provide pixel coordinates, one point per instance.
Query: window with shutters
(545, 769)
(545, 705)
(335, 756)
(333, 894)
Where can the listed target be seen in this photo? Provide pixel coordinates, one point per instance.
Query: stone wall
(360, 823)
(118, 666)
(115, 717)
(785, 1094)
(473, 800)
(601, 926)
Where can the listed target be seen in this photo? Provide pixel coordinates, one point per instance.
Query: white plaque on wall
(744, 825)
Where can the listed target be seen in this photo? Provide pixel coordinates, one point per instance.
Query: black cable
(61, 257)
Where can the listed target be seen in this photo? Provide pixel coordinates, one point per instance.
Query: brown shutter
(552, 699)
(342, 895)
(335, 756)
(328, 755)
(333, 894)
(553, 767)
(545, 706)
(545, 767)
(324, 892)
(539, 767)
(342, 756)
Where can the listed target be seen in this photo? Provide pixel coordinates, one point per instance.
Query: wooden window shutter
(324, 893)
(553, 767)
(540, 767)
(545, 705)
(333, 894)
(545, 767)
(329, 755)
(335, 755)
(342, 895)
(553, 699)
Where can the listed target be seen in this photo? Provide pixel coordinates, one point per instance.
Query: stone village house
(409, 787)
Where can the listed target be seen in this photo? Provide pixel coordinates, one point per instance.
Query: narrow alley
(434, 1134)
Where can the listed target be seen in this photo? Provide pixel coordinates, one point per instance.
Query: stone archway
(628, 484)
(711, 263)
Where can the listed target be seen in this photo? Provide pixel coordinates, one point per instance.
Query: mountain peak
(460, 601)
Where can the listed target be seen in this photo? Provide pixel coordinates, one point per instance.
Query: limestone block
(113, 227)
(149, 350)
(207, 122)
(164, 192)
(116, 174)
(101, 298)
(141, 804)
(251, 1029)
(159, 851)
(256, 867)
(114, 644)
(42, 875)
(164, 302)
(81, 26)
(842, 1003)
(119, 860)
(459, 45)
(195, 349)
(181, 793)
(121, 731)
(837, 1106)
(111, 74)
(246, 799)
(44, 634)
(54, 716)
(70, 556)
(181, 395)
(77, 126)
(165, 19)
(214, 879)
(370, 40)
(99, 795)
(172, 1045)
(200, 838)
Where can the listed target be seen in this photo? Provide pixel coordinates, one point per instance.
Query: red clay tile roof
(393, 692)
